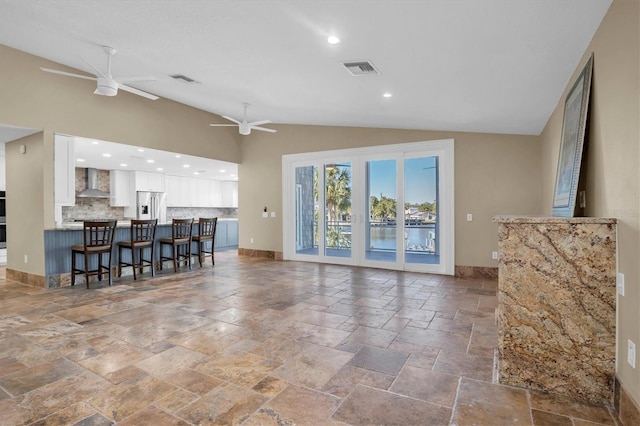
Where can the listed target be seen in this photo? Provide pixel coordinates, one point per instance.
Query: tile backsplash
(196, 212)
(92, 208)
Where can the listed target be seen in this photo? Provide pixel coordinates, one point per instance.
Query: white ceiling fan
(107, 85)
(244, 126)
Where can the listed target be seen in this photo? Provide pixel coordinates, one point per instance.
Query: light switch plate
(631, 353)
(273, 214)
(469, 217)
(265, 214)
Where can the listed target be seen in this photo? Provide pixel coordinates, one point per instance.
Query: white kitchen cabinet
(172, 188)
(177, 189)
(64, 171)
(192, 185)
(229, 191)
(215, 193)
(193, 192)
(121, 193)
(148, 181)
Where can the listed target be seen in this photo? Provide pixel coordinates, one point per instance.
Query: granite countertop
(550, 219)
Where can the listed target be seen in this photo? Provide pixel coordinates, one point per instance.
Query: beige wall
(56, 104)
(494, 174)
(26, 172)
(613, 177)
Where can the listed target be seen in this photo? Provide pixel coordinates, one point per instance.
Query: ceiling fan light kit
(106, 87)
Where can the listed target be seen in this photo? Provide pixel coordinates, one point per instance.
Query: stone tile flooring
(259, 342)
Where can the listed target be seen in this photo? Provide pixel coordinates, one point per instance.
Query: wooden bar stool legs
(143, 234)
(206, 234)
(181, 233)
(97, 240)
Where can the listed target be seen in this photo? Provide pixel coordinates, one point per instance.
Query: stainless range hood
(92, 191)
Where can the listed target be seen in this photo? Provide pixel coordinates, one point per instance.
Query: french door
(387, 206)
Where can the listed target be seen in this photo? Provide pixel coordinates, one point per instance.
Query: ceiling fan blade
(137, 92)
(68, 74)
(264, 129)
(231, 119)
(224, 125)
(98, 72)
(126, 80)
(259, 123)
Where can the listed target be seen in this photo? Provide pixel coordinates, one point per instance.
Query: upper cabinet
(148, 181)
(121, 193)
(64, 171)
(229, 194)
(177, 189)
(193, 192)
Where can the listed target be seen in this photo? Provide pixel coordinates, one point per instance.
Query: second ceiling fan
(245, 126)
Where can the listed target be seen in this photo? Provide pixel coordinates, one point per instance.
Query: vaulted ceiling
(467, 65)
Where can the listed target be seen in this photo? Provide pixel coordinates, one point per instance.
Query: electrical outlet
(469, 217)
(620, 283)
(494, 255)
(631, 353)
(26, 259)
(273, 214)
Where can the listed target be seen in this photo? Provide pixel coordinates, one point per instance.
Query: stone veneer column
(557, 305)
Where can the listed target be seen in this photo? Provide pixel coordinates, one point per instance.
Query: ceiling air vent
(358, 68)
(183, 78)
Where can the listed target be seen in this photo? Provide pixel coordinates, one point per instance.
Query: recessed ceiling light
(159, 169)
(95, 142)
(123, 164)
(196, 173)
(223, 171)
(186, 166)
(178, 155)
(80, 160)
(106, 154)
(151, 161)
(140, 150)
(232, 175)
(387, 95)
(333, 39)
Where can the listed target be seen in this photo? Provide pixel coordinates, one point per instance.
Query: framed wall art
(572, 144)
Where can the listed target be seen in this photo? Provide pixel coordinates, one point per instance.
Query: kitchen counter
(58, 242)
(124, 223)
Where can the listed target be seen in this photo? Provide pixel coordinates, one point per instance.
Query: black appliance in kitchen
(3, 220)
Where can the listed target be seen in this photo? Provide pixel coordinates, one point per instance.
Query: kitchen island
(58, 242)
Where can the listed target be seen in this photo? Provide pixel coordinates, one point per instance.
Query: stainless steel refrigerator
(152, 205)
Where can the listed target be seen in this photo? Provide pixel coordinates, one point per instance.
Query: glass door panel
(337, 200)
(306, 210)
(421, 225)
(381, 218)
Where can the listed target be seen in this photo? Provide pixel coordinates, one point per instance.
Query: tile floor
(259, 342)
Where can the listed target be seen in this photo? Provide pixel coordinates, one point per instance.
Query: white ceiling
(114, 156)
(466, 65)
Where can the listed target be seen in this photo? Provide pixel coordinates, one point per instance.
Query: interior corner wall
(613, 159)
(25, 211)
(494, 175)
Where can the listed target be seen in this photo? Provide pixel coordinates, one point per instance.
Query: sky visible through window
(420, 179)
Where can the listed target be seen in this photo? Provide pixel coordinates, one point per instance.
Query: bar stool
(97, 240)
(181, 232)
(143, 235)
(206, 233)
